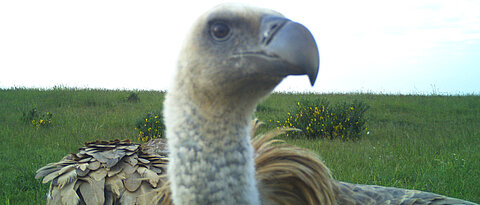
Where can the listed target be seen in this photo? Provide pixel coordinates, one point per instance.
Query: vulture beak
(292, 43)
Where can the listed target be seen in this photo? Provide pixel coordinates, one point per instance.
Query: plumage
(104, 173)
(68, 194)
(233, 57)
(352, 194)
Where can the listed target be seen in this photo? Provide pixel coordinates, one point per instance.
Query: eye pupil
(220, 30)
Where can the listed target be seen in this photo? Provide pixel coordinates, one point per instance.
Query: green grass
(429, 143)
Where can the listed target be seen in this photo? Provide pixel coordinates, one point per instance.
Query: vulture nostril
(269, 34)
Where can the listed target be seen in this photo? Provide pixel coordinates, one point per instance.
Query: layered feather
(359, 194)
(105, 172)
(288, 174)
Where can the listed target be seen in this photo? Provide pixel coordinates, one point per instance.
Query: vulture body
(233, 57)
(287, 175)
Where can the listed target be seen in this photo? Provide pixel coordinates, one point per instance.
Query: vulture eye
(220, 31)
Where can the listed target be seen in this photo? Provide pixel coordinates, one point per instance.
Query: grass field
(430, 143)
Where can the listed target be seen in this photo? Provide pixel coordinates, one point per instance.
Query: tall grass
(430, 143)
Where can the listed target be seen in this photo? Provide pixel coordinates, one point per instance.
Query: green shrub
(318, 119)
(133, 98)
(150, 127)
(37, 119)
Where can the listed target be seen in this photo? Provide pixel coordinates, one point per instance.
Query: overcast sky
(419, 46)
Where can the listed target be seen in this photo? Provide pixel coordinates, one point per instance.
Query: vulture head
(238, 54)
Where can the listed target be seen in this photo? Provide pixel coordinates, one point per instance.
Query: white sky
(417, 46)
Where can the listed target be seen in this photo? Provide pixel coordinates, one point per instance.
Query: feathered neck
(211, 157)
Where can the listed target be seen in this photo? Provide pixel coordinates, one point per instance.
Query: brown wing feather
(359, 194)
(288, 174)
(105, 172)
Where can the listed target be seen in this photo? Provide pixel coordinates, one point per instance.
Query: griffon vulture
(232, 58)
